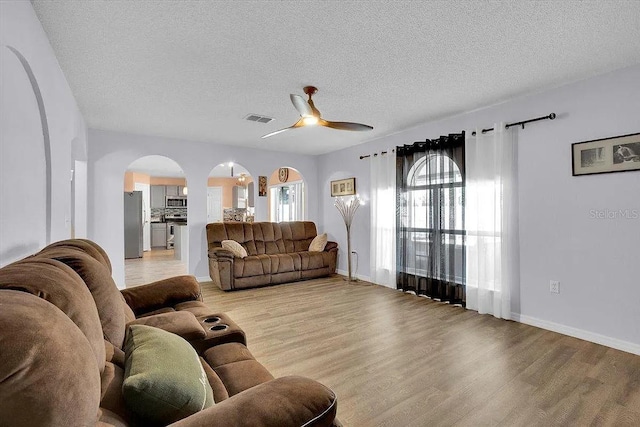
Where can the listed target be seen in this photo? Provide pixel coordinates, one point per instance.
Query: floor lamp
(347, 208)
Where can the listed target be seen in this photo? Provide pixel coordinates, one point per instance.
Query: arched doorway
(286, 195)
(230, 194)
(155, 220)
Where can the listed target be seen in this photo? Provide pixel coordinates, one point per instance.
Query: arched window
(435, 188)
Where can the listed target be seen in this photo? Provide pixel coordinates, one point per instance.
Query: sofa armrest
(287, 401)
(330, 245)
(163, 293)
(220, 253)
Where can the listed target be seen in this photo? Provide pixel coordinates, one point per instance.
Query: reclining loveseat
(69, 337)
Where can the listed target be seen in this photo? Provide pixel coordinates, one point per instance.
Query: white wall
(110, 153)
(595, 260)
(38, 122)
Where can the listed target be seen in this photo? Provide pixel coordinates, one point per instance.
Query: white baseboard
(345, 273)
(627, 346)
(203, 279)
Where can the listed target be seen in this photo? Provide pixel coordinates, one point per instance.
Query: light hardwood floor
(154, 265)
(396, 359)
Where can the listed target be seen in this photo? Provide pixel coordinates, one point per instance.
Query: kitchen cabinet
(175, 190)
(158, 235)
(172, 190)
(158, 193)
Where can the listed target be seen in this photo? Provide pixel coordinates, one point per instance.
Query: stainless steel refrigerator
(133, 223)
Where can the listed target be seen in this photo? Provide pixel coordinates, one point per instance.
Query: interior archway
(26, 191)
(230, 194)
(155, 219)
(286, 194)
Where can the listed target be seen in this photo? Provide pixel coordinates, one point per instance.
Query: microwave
(176, 202)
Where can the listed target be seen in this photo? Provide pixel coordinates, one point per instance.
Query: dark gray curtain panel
(430, 233)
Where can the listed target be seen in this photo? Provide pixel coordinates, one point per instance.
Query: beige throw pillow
(318, 243)
(235, 248)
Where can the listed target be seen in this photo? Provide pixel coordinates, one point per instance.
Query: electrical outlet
(554, 286)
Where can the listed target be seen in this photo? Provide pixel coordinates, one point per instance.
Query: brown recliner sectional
(277, 253)
(62, 327)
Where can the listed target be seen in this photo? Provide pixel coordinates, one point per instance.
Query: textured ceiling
(194, 69)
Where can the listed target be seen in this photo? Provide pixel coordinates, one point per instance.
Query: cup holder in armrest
(212, 319)
(220, 327)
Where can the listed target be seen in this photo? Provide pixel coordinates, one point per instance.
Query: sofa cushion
(48, 372)
(235, 248)
(256, 265)
(111, 398)
(55, 282)
(236, 367)
(87, 246)
(297, 235)
(312, 260)
(181, 323)
(284, 263)
(318, 243)
(164, 379)
(112, 309)
(268, 238)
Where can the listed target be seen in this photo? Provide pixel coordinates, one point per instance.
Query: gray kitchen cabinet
(172, 190)
(158, 235)
(181, 190)
(158, 196)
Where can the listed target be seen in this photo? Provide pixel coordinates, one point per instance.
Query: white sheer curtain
(491, 220)
(383, 219)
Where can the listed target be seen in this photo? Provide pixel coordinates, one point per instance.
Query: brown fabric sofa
(62, 328)
(277, 253)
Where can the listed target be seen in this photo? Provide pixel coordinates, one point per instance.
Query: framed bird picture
(615, 154)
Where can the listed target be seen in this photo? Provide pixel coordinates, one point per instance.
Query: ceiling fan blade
(276, 132)
(345, 125)
(301, 105)
(297, 124)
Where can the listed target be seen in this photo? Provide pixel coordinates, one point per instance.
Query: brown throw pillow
(318, 243)
(235, 248)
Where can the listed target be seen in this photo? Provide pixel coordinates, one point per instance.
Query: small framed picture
(262, 186)
(615, 154)
(343, 187)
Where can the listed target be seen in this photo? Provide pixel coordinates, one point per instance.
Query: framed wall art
(343, 187)
(262, 186)
(615, 154)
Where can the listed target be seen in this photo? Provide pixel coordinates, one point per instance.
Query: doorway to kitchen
(155, 220)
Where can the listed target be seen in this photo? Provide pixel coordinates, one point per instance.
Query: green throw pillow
(164, 379)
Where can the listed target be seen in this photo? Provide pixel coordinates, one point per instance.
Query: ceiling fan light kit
(310, 115)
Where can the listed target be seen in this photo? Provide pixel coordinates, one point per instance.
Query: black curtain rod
(522, 123)
(508, 125)
(375, 154)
